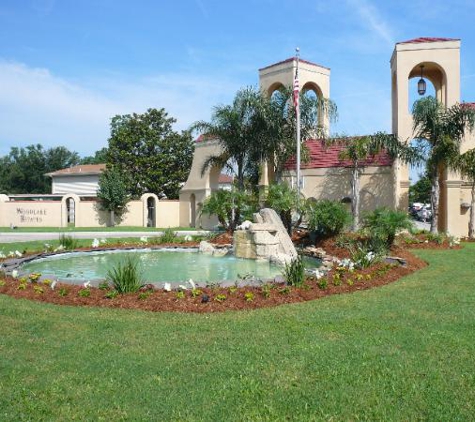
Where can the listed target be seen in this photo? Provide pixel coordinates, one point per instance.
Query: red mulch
(272, 295)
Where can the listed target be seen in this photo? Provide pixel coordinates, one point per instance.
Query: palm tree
(255, 129)
(238, 128)
(465, 163)
(358, 151)
(439, 131)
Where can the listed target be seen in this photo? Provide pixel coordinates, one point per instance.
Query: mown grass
(405, 351)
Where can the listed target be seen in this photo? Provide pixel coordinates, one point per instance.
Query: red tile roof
(326, 157)
(427, 39)
(204, 137)
(469, 105)
(81, 169)
(225, 179)
(291, 59)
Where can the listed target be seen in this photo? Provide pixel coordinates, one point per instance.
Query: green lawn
(405, 351)
(91, 229)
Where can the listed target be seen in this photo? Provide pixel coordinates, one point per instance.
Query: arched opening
(70, 212)
(151, 212)
(435, 79)
(313, 97)
(193, 210)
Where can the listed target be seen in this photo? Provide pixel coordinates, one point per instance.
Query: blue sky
(68, 66)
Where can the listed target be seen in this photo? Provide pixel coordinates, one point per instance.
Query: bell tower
(440, 61)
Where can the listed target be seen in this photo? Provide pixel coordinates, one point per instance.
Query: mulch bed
(244, 298)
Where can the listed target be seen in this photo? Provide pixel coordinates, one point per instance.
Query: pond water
(159, 265)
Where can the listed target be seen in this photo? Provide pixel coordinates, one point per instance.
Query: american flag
(296, 90)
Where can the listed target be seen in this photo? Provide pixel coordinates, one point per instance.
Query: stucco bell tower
(441, 60)
(312, 77)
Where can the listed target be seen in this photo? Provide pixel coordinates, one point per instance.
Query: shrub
(249, 296)
(294, 273)
(327, 218)
(126, 277)
(220, 298)
(382, 225)
(84, 292)
(63, 291)
(168, 236)
(67, 242)
(111, 294)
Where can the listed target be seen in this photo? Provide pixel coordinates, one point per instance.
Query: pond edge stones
(266, 238)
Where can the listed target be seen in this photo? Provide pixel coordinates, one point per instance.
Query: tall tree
(153, 157)
(23, 169)
(439, 132)
(99, 157)
(420, 191)
(112, 193)
(359, 152)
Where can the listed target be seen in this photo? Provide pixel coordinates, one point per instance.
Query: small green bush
(126, 277)
(67, 242)
(327, 218)
(294, 273)
(382, 226)
(168, 236)
(84, 292)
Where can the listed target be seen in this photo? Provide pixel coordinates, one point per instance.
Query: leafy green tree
(154, 157)
(99, 157)
(284, 200)
(112, 193)
(230, 207)
(23, 169)
(439, 132)
(420, 191)
(465, 163)
(358, 151)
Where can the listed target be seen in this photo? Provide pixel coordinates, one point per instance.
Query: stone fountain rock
(265, 238)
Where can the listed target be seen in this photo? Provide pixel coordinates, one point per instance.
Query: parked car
(424, 214)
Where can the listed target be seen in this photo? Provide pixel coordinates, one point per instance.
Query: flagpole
(297, 110)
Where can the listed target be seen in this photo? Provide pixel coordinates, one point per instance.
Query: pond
(158, 265)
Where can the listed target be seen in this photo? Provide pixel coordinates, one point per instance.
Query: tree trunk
(434, 201)
(471, 223)
(355, 194)
(112, 216)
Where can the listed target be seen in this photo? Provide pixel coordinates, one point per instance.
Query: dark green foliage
(382, 225)
(99, 157)
(155, 158)
(126, 277)
(112, 193)
(294, 273)
(420, 191)
(230, 207)
(284, 200)
(327, 218)
(23, 169)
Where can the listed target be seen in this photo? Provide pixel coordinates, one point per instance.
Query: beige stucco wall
(334, 183)
(168, 213)
(87, 214)
(30, 213)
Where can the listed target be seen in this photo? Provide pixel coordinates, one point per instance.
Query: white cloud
(372, 20)
(39, 107)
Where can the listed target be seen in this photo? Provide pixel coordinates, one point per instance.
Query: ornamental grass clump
(294, 273)
(67, 242)
(126, 277)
